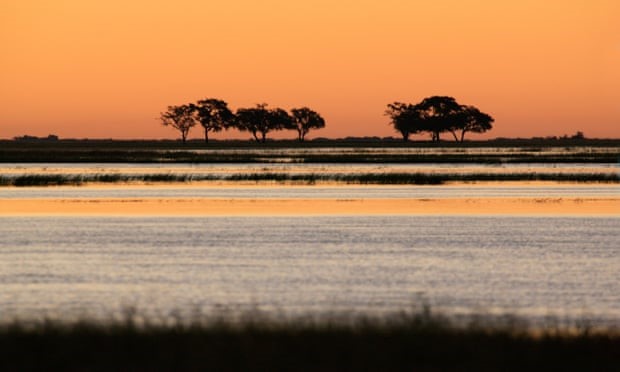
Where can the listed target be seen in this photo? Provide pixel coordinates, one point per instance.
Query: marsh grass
(416, 178)
(327, 151)
(252, 156)
(418, 340)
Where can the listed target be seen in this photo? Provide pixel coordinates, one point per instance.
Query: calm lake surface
(96, 266)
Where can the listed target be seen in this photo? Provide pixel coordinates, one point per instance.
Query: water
(228, 168)
(528, 266)
(333, 192)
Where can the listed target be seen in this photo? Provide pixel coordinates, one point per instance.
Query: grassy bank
(400, 342)
(311, 178)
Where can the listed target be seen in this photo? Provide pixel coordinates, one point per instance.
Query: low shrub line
(251, 156)
(310, 178)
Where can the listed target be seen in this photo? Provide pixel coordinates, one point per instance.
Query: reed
(327, 151)
(415, 178)
(402, 341)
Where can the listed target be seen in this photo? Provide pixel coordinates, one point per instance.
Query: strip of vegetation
(310, 178)
(58, 155)
(420, 341)
(348, 142)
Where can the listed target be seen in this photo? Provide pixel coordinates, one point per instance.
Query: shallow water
(66, 267)
(228, 168)
(329, 192)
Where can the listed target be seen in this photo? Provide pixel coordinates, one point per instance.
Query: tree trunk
(206, 135)
(405, 136)
(183, 137)
(255, 136)
(454, 134)
(463, 135)
(264, 137)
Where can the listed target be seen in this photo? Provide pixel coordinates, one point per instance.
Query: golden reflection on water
(314, 206)
(228, 169)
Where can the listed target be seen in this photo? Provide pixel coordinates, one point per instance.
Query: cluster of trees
(28, 138)
(436, 115)
(214, 115)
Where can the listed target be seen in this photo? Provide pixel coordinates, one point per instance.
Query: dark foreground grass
(417, 178)
(405, 342)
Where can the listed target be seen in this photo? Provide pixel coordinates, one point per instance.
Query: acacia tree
(435, 115)
(440, 114)
(304, 119)
(406, 118)
(262, 120)
(180, 118)
(472, 120)
(213, 114)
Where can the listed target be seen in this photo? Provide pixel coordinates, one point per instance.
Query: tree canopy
(473, 120)
(406, 118)
(304, 119)
(180, 118)
(213, 114)
(261, 120)
(435, 115)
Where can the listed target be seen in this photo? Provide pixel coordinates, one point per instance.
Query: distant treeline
(436, 115)
(214, 115)
(27, 138)
(52, 141)
(433, 115)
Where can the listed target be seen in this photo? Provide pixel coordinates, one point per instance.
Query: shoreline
(197, 184)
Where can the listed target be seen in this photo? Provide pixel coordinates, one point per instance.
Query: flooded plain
(529, 266)
(532, 249)
(300, 168)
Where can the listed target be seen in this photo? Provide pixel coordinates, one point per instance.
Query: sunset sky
(105, 69)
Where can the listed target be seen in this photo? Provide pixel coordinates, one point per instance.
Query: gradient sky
(106, 68)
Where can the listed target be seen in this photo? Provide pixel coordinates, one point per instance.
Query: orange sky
(106, 68)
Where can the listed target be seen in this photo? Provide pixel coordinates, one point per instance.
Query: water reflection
(528, 266)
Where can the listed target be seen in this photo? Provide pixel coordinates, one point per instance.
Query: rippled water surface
(333, 192)
(566, 266)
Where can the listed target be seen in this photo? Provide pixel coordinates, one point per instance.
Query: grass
(366, 142)
(310, 178)
(403, 341)
(187, 156)
(325, 151)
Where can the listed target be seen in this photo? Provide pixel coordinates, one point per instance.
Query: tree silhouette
(180, 118)
(472, 120)
(406, 118)
(435, 115)
(304, 119)
(440, 114)
(213, 114)
(262, 120)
